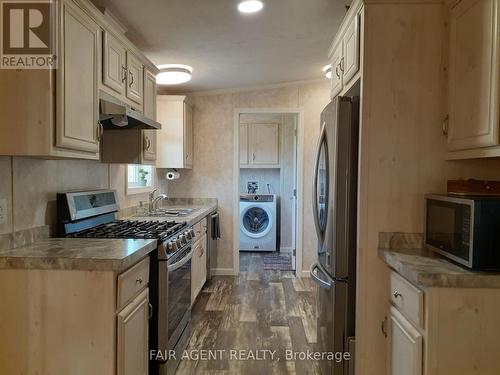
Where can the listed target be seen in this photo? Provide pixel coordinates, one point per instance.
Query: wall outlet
(3, 211)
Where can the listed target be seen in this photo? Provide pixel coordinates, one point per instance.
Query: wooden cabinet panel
(350, 61)
(243, 145)
(78, 102)
(336, 60)
(150, 139)
(114, 73)
(474, 75)
(133, 337)
(264, 144)
(188, 136)
(407, 298)
(134, 90)
(199, 267)
(405, 346)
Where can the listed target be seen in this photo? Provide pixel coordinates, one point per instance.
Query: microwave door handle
(322, 137)
(181, 263)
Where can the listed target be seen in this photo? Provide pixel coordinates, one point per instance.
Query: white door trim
(300, 183)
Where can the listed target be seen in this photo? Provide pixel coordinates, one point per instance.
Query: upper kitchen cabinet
(123, 72)
(344, 56)
(175, 139)
(150, 139)
(134, 89)
(114, 73)
(259, 145)
(54, 113)
(77, 99)
(473, 126)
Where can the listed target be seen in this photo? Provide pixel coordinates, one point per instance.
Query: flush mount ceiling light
(327, 70)
(173, 74)
(250, 6)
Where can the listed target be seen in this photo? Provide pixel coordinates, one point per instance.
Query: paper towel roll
(173, 175)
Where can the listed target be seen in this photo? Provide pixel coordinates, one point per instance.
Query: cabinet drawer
(408, 299)
(200, 228)
(131, 282)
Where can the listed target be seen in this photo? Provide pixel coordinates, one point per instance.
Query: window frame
(130, 190)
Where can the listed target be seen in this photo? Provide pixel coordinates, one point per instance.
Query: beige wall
(212, 173)
(263, 176)
(30, 185)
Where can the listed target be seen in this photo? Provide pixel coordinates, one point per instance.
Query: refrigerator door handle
(321, 283)
(322, 137)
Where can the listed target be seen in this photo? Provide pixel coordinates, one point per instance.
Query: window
(140, 178)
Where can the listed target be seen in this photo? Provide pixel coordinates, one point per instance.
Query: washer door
(256, 221)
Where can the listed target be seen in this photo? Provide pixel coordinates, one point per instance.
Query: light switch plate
(3, 211)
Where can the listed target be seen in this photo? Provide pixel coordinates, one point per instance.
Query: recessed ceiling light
(173, 74)
(327, 70)
(250, 6)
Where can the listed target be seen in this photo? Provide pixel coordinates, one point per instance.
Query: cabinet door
(134, 79)
(350, 61)
(336, 60)
(149, 111)
(264, 144)
(199, 265)
(188, 136)
(133, 337)
(243, 144)
(77, 94)
(474, 71)
(114, 73)
(405, 346)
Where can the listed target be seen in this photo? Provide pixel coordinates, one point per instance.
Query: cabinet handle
(342, 64)
(124, 73)
(446, 124)
(99, 131)
(337, 71)
(131, 79)
(253, 156)
(383, 326)
(150, 306)
(397, 294)
(147, 143)
(139, 280)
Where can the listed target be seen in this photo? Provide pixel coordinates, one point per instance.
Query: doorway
(267, 192)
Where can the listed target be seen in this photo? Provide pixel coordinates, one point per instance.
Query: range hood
(115, 114)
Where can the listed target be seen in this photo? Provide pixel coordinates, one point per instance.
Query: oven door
(179, 294)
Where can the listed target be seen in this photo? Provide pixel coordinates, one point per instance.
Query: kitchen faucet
(153, 202)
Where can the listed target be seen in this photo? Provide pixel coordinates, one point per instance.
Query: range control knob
(183, 239)
(193, 234)
(188, 234)
(172, 246)
(179, 243)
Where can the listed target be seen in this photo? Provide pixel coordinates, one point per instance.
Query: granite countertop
(426, 269)
(77, 254)
(203, 207)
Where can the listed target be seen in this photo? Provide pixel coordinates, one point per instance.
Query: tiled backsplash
(30, 185)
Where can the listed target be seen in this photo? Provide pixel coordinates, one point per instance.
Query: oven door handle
(181, 263)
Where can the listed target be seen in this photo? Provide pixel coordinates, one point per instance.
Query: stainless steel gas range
(92, 214)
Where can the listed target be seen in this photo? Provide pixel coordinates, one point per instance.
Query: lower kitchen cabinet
(199, 267)
(405, 345)
(132, 337)
(442, 330)
(76, 322)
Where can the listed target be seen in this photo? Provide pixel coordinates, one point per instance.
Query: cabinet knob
(397, 294)
(139, 280)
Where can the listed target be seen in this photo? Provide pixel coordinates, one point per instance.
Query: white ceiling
(287, 41)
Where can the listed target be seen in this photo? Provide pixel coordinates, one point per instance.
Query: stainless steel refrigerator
(335, 187)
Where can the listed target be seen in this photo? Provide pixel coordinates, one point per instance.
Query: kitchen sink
(170, 212)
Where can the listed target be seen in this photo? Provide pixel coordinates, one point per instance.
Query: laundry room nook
(267, 187)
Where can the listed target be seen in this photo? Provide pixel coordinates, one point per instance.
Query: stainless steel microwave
(465, 229)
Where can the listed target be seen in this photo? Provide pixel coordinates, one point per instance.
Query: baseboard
(222, 272)
(286, 250)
